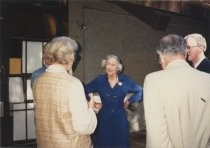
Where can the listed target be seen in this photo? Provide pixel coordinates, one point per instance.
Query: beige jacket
(177, 107)
(55, 120)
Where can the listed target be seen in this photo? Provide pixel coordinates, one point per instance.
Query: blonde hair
(119, 63)
(200, 40)
(60, 50)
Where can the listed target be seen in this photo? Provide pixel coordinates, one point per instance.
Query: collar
(198, 63)
(56, 69)
(176, 63)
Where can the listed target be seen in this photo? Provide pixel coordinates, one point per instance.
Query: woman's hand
(126, 103)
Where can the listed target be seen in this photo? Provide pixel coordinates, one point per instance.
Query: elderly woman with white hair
(196, 46)
(112, 87)
(63, 118)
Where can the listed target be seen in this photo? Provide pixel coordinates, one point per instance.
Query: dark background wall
(1, 30)
(103, 28)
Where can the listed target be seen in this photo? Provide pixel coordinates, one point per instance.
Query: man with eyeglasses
(176, 100)
(196, 47)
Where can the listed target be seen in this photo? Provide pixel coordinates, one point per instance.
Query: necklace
(113, 82)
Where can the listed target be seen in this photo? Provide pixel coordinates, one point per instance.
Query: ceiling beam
(155, 19)
(198, 9)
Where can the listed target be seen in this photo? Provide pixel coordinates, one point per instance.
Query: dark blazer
(204, 65)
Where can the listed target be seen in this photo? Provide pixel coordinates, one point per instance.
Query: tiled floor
(138, 139)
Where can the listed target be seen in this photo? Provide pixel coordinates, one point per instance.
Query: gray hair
(199, 39)
(59, 49)
(119, 63)
(172, 44)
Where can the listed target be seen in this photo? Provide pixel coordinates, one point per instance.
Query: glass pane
(34, 56)
(30, 106)
(1, 110)
(18, 106)
(31, 125)
(19, 124)
(29, 91)
(14, 65)
(16, 90)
